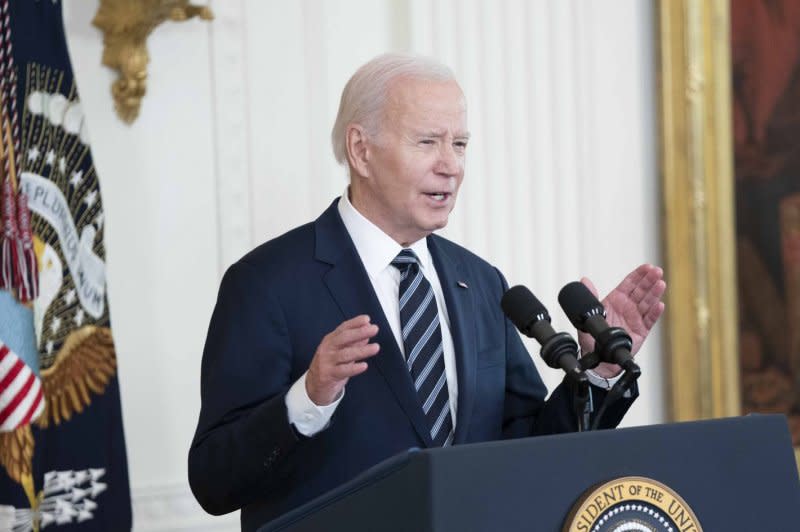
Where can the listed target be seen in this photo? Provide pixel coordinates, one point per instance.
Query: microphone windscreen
(578, 303)
(522, 307)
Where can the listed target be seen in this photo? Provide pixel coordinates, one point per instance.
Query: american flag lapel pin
(462, 284)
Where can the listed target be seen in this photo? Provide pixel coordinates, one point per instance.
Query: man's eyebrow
(440, 133)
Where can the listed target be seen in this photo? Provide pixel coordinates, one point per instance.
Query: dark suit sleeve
(244, 439)
(526, 413)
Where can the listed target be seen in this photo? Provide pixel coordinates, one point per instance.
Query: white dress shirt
(377, 250)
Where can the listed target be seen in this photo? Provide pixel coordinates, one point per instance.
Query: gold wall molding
(126, 25)
(698, 203)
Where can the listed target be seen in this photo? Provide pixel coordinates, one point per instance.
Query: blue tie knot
(404, 260)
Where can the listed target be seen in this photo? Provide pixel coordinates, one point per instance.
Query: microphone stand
(585, 404)
(582, 399)
(553, 349)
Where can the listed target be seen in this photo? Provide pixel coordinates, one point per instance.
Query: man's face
(415, 164)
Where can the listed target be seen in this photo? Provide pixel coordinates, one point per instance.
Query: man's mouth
(438, 196)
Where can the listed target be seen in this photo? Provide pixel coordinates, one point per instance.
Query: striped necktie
(422, 339)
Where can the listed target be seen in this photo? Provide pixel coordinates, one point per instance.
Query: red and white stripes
(21, 398)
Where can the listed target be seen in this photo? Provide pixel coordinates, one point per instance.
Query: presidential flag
(62, 451)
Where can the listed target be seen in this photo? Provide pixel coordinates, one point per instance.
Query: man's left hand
(635, 305)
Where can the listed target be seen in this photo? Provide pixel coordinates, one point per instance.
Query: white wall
(232, 148)
(159, 186)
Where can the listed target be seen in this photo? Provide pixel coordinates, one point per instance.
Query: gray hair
(364, 96)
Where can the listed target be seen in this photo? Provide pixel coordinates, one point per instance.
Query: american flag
(20, 391)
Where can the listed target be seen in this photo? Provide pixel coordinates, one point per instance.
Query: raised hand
(340, 356)
(635, 305)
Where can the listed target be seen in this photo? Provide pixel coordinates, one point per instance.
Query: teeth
(438, 197)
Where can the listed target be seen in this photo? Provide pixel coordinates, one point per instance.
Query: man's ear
(357, 146)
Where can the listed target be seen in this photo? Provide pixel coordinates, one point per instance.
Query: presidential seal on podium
(631, 504)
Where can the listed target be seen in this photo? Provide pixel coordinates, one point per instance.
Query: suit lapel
(350, 287)
(460, 309)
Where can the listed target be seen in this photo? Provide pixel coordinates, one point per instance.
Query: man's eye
(426, 141)
(461, 145)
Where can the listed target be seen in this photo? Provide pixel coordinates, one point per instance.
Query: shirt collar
(376, 248)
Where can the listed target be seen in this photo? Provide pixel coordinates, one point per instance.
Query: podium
(736, 474)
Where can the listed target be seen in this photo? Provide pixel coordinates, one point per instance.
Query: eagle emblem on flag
(57, 355)
(76, 357)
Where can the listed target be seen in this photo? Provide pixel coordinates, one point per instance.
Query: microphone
(587, 314)
(528, 314)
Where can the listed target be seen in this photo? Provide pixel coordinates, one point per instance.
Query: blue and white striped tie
(422, 339)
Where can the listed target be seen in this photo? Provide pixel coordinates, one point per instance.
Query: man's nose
(450, 162)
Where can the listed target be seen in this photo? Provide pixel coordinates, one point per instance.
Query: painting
(729, 78)
(765, 55)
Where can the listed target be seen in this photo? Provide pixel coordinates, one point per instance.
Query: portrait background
(729, 107)
(765, 53)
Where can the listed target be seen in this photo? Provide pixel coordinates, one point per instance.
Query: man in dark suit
(362, 334)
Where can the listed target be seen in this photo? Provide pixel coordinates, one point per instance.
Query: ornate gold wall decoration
(126, 25)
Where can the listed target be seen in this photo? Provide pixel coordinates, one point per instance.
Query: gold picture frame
(698, 209)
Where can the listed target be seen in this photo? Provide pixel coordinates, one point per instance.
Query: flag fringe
(28, 288)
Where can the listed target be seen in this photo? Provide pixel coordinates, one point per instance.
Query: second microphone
(559, 350)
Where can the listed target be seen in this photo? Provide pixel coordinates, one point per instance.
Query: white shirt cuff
(606, 384)
(601, 382)
(307, 417)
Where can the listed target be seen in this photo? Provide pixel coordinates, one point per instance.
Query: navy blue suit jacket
(273, 309)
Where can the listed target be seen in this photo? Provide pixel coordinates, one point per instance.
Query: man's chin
(437, 225)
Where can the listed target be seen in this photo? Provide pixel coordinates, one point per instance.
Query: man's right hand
(340, 356)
